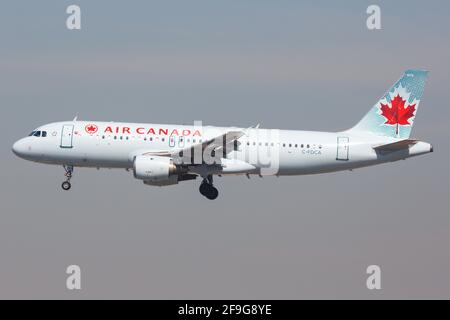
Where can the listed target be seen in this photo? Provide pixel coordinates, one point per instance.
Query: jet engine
(159, 171)
(153, 168)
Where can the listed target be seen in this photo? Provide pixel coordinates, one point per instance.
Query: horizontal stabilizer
(394, 146)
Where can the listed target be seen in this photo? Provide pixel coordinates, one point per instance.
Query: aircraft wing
(225, 142)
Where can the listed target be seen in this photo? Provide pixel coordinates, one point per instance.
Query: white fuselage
(259, 151)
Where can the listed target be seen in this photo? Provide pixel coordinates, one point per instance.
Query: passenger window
(284, 144)
(290, 145)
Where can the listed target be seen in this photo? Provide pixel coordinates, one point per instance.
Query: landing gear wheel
(66, 185)
(208, 190)
(204, 188)
(213, 193)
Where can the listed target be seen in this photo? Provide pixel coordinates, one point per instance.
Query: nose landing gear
(66, 185)
(207, 189)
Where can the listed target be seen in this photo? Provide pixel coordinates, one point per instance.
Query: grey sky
(284, 64)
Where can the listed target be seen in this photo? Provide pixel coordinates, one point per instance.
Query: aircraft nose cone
(19, 148)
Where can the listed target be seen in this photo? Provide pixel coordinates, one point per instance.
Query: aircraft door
(67, 136)
(342, 148)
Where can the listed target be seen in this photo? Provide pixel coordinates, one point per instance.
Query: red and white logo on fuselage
(91, 128)
(153, 131)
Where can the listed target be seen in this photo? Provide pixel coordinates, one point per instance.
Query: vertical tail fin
(393, 115)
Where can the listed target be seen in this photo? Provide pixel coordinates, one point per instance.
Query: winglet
(75, 119)
(252, 127)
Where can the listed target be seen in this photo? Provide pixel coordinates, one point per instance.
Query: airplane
(163, 155)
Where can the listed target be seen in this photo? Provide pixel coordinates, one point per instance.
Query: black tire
(66, 185)
(212, 194)
(204, 188)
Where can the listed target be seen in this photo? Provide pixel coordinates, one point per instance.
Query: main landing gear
(66, 184)
(207, 189)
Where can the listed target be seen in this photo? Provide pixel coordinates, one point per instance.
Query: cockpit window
(38, 134)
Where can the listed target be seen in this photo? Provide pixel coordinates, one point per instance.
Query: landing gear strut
(207, 189)
(66, 184)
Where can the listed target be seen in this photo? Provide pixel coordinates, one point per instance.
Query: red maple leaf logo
(91, 128)
(397, 113)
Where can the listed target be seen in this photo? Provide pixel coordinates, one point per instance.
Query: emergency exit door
(67, 136)
(342, 148)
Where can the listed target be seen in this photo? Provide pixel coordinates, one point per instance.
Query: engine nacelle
(154, 169)
(162, 183)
